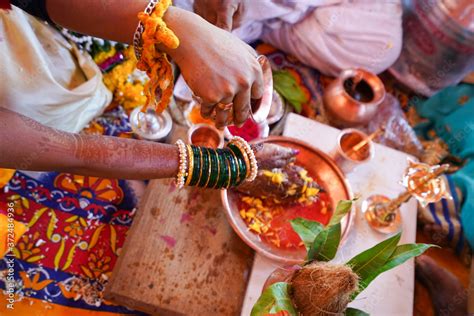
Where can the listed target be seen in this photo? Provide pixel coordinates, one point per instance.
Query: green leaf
(355, 312)
(307, 230)
(287, 86)
(273, 300)
(368, 262)
(343, 207)
(325, 245)
(401, 254)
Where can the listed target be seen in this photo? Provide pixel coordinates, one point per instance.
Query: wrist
(180, 22)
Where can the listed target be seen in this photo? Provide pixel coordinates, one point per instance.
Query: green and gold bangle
(229, 173)
(205, 167)
(223, 177)
(214, 169)
(243, 170)
(197, 166)
(234, 171)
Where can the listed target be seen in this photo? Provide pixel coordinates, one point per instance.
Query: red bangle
(5, 4)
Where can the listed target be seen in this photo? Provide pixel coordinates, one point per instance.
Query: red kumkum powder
(249, 131)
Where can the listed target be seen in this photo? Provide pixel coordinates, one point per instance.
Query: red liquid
(282, 227)
(281, 234)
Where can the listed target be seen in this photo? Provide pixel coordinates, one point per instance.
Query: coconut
(322, 288)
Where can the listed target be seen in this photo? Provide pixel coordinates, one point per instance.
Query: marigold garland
(128, 93)
(154, 62)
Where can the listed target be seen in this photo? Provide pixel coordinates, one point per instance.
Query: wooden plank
(181, 257)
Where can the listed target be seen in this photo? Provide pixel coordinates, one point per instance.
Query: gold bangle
(191, 165)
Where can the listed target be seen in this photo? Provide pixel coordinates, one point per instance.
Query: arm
(216, 65)
(27, 145)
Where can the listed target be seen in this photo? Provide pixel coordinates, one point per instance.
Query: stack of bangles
(216, 168)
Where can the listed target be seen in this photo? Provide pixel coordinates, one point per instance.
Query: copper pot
(353, 98)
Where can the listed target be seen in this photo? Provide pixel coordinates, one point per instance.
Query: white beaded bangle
(250, 154)
(183, 164)
(137, 36)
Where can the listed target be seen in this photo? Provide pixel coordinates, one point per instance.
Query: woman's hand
(271, 156)
(226, 14)
(278, 177)
(217, 66)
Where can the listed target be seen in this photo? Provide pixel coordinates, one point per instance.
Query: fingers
(238, 15)
(225, 15)
(241, 107)
(206, 109)
(223, 114)
(257, 86)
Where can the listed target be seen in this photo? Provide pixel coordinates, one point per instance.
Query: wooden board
(181, 257)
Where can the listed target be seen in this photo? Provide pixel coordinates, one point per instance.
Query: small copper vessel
(353, 98)
(206, 136)
(344, 154)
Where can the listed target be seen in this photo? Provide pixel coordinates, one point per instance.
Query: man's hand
(226, 14)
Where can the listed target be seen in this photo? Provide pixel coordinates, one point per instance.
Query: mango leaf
(355, 312)
(287, 86)
(325, 245)
(343, 207)
(401, 254)
(368, 262)
(307, 230)
(273, 300)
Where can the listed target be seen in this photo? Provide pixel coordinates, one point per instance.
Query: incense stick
(364, 142)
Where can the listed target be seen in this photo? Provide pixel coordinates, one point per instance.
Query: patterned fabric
(446, 214)
(450, 115)
(309, 79)
(77, 227)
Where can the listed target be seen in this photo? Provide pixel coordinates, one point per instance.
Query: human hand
(286, 185)
(278, 177)
(271, 156)
(226, 14)
(217, 66)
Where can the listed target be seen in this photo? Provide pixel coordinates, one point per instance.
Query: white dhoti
(329, 35)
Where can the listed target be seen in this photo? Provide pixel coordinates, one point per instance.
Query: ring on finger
(225, 106)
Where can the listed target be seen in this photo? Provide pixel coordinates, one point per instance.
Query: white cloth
(44, 77)
(330, 35)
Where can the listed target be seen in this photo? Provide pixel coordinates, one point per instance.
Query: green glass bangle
(209, 171)
(241, 169)
(214, 169)
(197, 166)
(224, 172)
(205, 167)
(229, 173)
(234, 171)
(240, 161)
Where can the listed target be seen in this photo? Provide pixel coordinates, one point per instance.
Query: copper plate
(318, 165)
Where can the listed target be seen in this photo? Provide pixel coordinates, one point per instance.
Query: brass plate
(319, 165)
